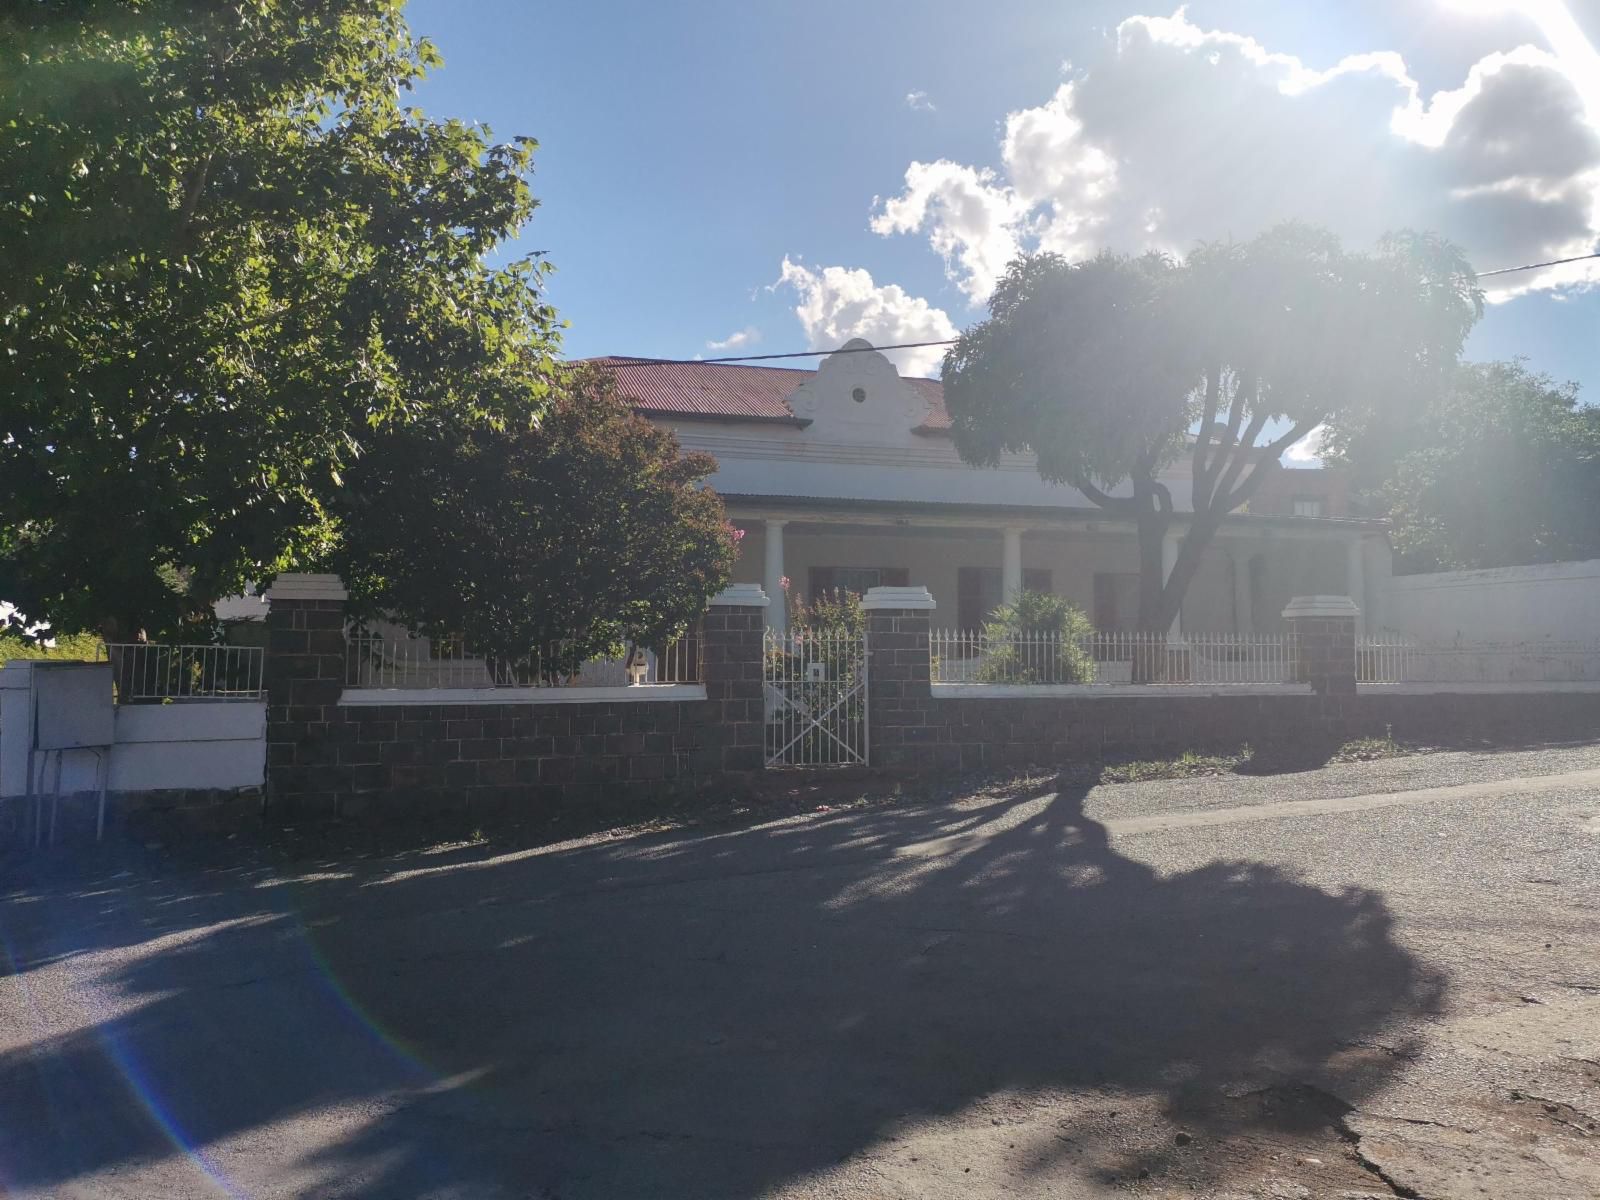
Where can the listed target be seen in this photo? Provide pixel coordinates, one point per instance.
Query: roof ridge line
(694, 362)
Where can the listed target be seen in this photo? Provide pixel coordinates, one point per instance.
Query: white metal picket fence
(1391, 658)
(152, 672)
(1112, 659)
(814, 689)
(401, 661)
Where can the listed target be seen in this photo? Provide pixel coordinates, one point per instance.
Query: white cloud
(1308, 449)
(1182, 134)
(971, 220)
(840, 303)
(917, 101)
(748, 336)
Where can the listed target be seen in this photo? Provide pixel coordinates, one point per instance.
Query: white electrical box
(72, 705)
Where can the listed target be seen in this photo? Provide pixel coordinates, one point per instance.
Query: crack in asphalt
(1391, 1051)
(1352, 1138)
(1340, 1111)
(1553, 1109)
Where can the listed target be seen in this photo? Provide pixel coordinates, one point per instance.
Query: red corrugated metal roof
(938, 418)
(730, 390)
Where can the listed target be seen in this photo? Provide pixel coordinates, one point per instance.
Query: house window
(1308, 506)
(1116, 600)
(978, 592)
(855, 579)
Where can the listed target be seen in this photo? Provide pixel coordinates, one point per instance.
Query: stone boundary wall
(985, 734)
(485, 761)
(915, 730)
(512, 760)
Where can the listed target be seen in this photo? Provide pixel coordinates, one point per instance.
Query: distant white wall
(1557, 600)
(200, 744)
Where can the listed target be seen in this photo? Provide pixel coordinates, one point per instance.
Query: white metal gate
(815, 689)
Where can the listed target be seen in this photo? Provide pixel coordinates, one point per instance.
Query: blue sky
(690, 150)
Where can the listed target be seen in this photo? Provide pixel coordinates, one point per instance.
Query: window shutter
(1105, 602)
(969, 597)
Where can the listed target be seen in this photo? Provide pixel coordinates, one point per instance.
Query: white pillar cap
(1321, 606)
(898, 597)
(306, 586)
(742, 595)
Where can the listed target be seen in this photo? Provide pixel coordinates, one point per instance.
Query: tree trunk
(1152, 528)
(114, 636)
(1149, 653)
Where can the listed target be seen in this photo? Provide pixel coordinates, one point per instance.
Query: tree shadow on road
(708, 1015)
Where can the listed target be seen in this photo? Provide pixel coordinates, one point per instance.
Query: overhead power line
(746, 358)
(840, 350)
(1556, 262)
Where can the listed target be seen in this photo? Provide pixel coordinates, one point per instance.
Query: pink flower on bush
(783, 582)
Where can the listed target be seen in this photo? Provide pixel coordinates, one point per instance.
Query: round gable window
(859, 395)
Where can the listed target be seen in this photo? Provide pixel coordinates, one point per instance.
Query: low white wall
(192, 744)
(1556, 600)
(195, 744)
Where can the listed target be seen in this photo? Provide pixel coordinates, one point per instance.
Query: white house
(846, 476)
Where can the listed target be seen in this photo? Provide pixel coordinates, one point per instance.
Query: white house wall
(867, 449)
(775, 461)
(932, 558)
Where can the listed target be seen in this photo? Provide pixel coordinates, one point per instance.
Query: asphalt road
(1368, 980)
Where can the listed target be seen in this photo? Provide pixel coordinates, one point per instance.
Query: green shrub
(69, 647)
(838, 611)
(1037, 638)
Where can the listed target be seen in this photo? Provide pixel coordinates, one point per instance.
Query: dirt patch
(1245, 760)
(1285, 1141)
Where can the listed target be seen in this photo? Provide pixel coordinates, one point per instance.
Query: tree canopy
(234, 257)
(542, 547)
(1501, 469)
(1110, 370)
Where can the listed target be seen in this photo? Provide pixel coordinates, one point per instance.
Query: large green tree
(1111, 370)
(1501, 469)
(540, 548)
(233, 257)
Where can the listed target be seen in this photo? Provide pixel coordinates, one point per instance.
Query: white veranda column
(1355, 579)
(778, 612)
(1169, 559)
(1011, 564)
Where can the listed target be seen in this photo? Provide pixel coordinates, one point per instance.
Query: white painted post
(1169, 559)
(1011, 564)
(1355, 579)
(778, 612)
(16, 718)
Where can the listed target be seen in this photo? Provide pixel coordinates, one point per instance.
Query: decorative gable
(858, 398)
